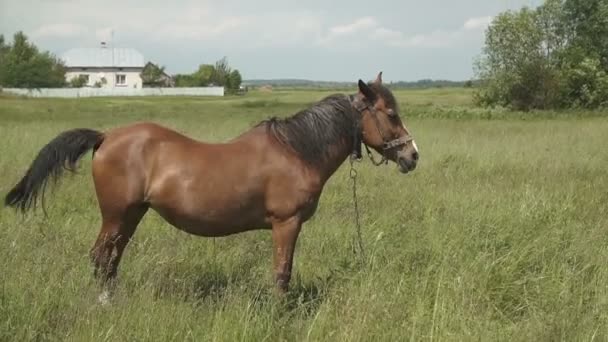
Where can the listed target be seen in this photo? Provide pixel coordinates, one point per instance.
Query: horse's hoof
(104, 298)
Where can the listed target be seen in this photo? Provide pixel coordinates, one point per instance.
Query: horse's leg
(116, 230)
(284, 236)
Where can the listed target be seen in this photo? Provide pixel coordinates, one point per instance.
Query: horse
(269, 177)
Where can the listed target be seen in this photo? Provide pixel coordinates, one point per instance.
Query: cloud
(370, 29)
(388, 35)
(196, 21)
(202, 29)
(66, 30)
(358, 25)
(477, 23)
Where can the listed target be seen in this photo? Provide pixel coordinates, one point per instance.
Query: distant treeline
(298, 83)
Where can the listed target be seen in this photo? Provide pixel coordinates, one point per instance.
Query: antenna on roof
(112, 42)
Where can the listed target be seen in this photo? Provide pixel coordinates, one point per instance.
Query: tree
(3, 52)
(585, 64)
(222, 70)
(218, 74)
(513, 69)
(587, 23)
(234, 80)
(553, 56)
(185, 81)
(3, 47)
(24, 66)
(204, 76)
(152, 75)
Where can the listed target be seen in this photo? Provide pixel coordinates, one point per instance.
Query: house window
(121, 79)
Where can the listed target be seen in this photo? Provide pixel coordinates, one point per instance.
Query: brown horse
(270, 177)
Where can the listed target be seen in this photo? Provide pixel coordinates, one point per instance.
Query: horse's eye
(390, 112)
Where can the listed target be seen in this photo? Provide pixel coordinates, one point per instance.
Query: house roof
(103, 57)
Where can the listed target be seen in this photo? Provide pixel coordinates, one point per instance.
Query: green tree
(513, 68)
(587, 23)
(553, 56)
(3, 47)
(204, 75)
(24, 66)
(234, 80)
(153, 75)
(219, 74)
(3, 52)
(585, 59)
(222, 71)
(182, 80)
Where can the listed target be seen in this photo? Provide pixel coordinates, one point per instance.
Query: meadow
(499, 235)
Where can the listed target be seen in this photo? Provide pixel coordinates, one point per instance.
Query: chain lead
(353, 176)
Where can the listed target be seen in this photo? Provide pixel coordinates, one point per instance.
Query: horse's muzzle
(406, 165)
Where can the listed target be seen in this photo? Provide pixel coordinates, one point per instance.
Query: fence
(93, 92)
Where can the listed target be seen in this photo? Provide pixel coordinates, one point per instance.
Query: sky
(308, 39)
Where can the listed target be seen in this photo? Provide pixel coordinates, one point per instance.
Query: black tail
(61, 153)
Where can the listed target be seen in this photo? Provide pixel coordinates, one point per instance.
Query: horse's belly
(215, 221)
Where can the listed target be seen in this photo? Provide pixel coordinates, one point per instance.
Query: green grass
(499, 235)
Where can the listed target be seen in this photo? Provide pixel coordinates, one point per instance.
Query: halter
(361, 107)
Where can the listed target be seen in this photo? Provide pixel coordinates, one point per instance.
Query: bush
(79, 82)
(586, 85)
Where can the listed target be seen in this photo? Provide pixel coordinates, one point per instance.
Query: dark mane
(312, 131)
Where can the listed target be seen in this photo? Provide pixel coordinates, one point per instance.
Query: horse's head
(381, 127)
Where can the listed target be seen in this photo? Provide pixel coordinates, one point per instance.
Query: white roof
(103, 57)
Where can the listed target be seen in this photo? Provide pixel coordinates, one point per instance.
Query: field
(499, 235)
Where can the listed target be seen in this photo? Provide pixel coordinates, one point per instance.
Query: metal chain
(353, 176)
(384, 160)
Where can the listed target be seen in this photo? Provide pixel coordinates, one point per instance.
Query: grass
(499, 235)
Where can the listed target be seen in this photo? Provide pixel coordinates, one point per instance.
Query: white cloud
(370, 29)
(477, 23)
(65, 30)
(358, 27)
(197, 21)
(283, 29)
(198, 30)
(388, 35)
(355, 27)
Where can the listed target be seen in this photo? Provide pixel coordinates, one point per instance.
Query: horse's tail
(61, 153)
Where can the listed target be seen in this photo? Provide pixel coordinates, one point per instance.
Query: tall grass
(500, 234)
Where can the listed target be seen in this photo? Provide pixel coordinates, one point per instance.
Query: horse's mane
(312, 131)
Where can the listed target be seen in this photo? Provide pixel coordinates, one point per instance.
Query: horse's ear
(379, 78)
(367, 92)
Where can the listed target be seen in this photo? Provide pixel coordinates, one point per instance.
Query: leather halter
(361, 106)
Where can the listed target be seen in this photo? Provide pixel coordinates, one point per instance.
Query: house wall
(133, 78)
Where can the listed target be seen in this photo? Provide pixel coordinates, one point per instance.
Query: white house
(105, 67)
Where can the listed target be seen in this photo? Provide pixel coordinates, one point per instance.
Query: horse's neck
(338, 155)
(338, 152)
